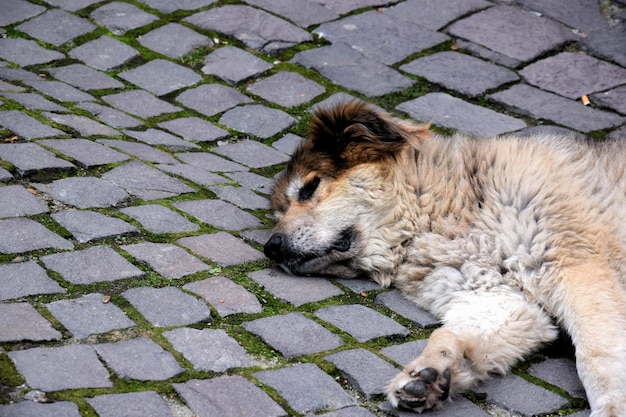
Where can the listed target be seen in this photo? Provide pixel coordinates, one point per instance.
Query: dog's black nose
(275, 246)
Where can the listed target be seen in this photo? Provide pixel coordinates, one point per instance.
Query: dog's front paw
(419, 390)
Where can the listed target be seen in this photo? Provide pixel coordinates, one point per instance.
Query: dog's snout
(276, 246)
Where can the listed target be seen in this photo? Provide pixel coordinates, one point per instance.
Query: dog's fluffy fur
(502, 239)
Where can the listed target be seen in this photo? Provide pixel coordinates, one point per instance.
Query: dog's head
(335, 198)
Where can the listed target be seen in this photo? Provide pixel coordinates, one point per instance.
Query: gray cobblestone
(24, 279)
(560, 372)
(606, 43)
(222, 248)
(110, 116)
(140, 103)
(60, 368)
(225, 296)
(22, 235)
(361, 322)
(161, 77)
(293, 334)
(139, 358)
(219, 214)
(34, 101)
(24, 52)
(209, 349)
(168, 306)
(211, 99)
(287, 89)
(87, 226)
(83, 77)
(168, 260)
(434, 15)
(194, 129)
(89, 315)
(306, 388)
(252, 181)
(31, 408)
(84, 126)
(84, 192)
(404, 353)
(159, 219)
(214, 397)
(295, 290)
(140, 150)
(257, 120)
(241, 197)
(20, 321)
(302, 13)
(120, 17)
(174, 40)
(15, 200)
(193, 173)
(210, 162)
(26, 127)
(252, 153)
(18, 10)
(86, 153)
(56, 27)
(95, 264)
(234, 65)
(396, 302)
(133, 404)
(160, 138)
(104, 53)
(614, 99)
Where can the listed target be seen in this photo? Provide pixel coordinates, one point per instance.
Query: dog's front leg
(483, 332)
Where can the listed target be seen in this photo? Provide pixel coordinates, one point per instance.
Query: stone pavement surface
(139, 140)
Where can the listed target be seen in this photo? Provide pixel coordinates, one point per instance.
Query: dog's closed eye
(308, 189)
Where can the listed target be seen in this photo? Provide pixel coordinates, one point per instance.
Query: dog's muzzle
(276, 247)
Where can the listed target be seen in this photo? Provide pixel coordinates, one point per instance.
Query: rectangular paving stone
(168, 260)
(120, 17)
(573, 75)
(159, 219)
(112, 117)
(268, 32)
(161, 77)
(15, 201)
(167, 306)
(350, 412)
(252, 181)
(434, 14)
(5, 175)
(146, 182)
(241, 197)
(174, 40)
(448, 111)
(560, 372)
(60, 368)
(234, 65)
(140, 150)
(521, 396)
(252, 153)
(30, 409)
(18, 10)
(293, 334)
(303, 13)
(306, 388)
(194, 129)
(24, 52)
(84, 77)
(72, 5)
(214, 397)
(89, 315)
(613, 99)
(293, 289)
(531, 101)
(83, 125)
(505, 29)
(132, 404)
(211, 99)
(24, 279)
(460, 72)
(33, 101)
(365, 371)
(21, 322)
(193, 173)
(226, 297)
(18, 74)
(395, 301)
(257, 120)
(404, 353)
(140, 103)
(94, 264)
(222, 248)
(156, 137)
(86, 226)
(87, 154)
(287, 89)
(219, 214)
(381, 36)
(208, 349)
(210, 162)
(346, 66)
(25, 126)
(20, 235)
(56, 27)
(140, 358)
(104, 53)
(361, 322)
(84, 192)
(166, 6)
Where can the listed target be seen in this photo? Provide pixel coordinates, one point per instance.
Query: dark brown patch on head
(342, 137)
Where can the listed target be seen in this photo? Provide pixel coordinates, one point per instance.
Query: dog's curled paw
(419, 390)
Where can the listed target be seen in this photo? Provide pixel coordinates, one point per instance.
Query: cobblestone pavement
(140, 138)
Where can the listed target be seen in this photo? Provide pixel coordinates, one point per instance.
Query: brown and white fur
(501, 238)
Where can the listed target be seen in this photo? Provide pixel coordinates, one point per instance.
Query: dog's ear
(354, 132)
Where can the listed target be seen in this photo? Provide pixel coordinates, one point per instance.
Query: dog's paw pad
(426, 389)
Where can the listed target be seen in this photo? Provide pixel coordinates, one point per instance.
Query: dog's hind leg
(483, 332)
(592, 306)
